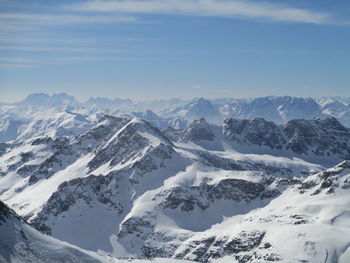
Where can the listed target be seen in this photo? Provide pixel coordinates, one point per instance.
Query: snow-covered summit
(44, 99)
(276, 109)
(197, 108)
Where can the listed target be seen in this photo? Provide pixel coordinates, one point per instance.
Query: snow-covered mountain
(174, 180)
(307, 222)
(45, 100)
(216, 193)
(160, 122)
(316, 137)
(21, 243)
(338, 108)
(61, 114)
(106, 103)
(276, 109)
(18, 123)
(197, 108)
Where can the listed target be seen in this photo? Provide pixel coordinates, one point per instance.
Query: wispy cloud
(196, 87)
(31, 22)
(31, 62)
(221, 8)
(48, 38)
(15, 66)
(21, 60)
(13, 19)
(59, 49)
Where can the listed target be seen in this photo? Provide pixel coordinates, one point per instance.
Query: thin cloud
(15, 66)
(49, 38)
(5, 26)
(13, 19)
(59, 49)
(196, 87)
(23, 22)
(27, 62)
(219, 8)
(14, 60)
(44, 38)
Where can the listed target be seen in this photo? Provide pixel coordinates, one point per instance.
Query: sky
(159, 49)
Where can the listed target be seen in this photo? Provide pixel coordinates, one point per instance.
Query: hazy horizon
(147, 50)
(165, 99)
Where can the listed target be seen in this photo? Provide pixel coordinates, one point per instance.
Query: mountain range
(243, 190)
(40, 113)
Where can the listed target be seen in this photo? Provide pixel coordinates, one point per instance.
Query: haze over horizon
(146, 50)
(86, 99)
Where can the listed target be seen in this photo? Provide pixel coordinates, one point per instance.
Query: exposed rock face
(61, 150)
(6, 213)
(254, 132)
(310, 138)
(325, 137)
(92, 189)
(316, 137)
(204, 195)
(213, 247)
(327, 181)
(126, 145)
(199, 130)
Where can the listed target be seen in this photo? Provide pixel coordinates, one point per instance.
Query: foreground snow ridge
(243, 190)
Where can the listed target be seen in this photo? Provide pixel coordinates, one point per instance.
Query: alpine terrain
(227, 180)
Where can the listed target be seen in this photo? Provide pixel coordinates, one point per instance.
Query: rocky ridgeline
(199, 130)
(316, 137)
(126, 144)
(204, 195)
(328, 181)
(319, 137)
(131, 162)
(244, 247)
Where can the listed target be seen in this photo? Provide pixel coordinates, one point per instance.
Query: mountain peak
(199, 108)
(199, 130)
(44, 99)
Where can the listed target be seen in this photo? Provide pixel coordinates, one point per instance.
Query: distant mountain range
(31, 116)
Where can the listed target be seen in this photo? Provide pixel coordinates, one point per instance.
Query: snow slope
(308, 222)
(210, 193)
(21, 123)
(21, 243)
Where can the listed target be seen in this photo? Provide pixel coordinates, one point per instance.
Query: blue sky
(152, 49)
